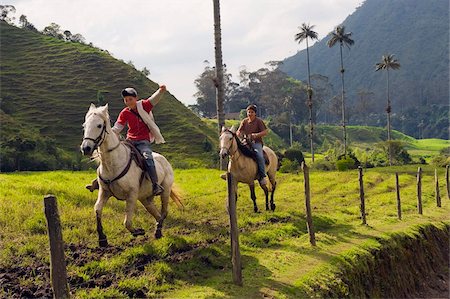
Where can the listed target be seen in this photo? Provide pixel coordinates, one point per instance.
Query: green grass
(193, 259)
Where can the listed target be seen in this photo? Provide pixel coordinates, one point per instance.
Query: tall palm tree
(218, 80)
(388, 62)
(344, 38)
(306, 31)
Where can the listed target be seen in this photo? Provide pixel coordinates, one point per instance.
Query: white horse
(120, 176)
(244, 168)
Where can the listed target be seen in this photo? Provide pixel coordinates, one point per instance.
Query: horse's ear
(104, 109)
(92, 106)
(233, 129)
(223, 129)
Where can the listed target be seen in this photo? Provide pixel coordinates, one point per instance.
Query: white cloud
(173, 38)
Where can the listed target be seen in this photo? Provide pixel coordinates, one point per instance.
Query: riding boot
(157, 188)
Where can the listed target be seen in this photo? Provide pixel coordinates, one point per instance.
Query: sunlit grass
(275, 246)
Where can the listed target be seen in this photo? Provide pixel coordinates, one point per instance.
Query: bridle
(228, 149)
(99, 140)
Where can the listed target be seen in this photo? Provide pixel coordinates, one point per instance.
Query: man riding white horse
(142, 130)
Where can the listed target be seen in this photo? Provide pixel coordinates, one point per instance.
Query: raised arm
(155, 97)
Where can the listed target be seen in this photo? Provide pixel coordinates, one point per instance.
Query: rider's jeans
(258, 147)
(143, 146)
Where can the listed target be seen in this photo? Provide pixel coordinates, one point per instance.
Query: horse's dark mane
(245, 150)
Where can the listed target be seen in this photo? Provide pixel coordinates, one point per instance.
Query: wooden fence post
(234, 232)
(361, 196)
(309, 221)
(419, 191)
(447, 183)
(399, 204)
(436, 192)
(58, 272)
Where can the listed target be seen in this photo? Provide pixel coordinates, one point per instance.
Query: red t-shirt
(137, 129)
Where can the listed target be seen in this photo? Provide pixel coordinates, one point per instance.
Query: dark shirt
(256, 126)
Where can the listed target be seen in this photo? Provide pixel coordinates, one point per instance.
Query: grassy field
(193, 259)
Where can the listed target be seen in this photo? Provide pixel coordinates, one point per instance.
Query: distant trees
(343, 38)
(53, 30)
(5, 13)
(23, 21)
(388, 62)
(306, 31)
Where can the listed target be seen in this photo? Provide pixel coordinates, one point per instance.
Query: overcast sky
(173, 38)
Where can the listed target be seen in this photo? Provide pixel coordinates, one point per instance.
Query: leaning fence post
(447, 183)
(419, 190)
(436, 192)
(399, 204)
(58, 272)
(309, 221)
(361, 195)
(234, 233)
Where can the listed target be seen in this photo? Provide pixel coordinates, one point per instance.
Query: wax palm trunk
(219, 70)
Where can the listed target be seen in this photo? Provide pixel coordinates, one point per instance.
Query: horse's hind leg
(153, 210)
(253, 196)
(266, 193)
(274, 186)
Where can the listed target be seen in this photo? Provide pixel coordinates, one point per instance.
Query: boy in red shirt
(139, 133)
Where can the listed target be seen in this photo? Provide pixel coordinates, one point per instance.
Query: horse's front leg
(253, 196)
(153, 210)
(128, 222)
(101, 201)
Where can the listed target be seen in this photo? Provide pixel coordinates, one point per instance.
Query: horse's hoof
(267, 208)
(255, 209)
(103, 243)
(138, 232)
(158, 234)
(273, 206)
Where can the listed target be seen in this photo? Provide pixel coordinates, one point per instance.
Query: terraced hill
(48, 84)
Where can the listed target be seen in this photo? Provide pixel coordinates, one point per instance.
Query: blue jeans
(143, 146)
(258, 148)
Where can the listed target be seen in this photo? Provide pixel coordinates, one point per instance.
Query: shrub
(345, 164)
(294, 154)
(289, 166)
(324, 165)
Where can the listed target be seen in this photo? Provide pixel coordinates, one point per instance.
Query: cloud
(173, 38)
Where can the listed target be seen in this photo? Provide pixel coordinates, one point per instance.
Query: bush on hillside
(289, 166)
(294, 154)
(291, 160)
(400, 155)
(27, 151)
(443, 159)
(345, 164)
(324, 165)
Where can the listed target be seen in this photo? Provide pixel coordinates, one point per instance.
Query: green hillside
(48, 84)
(417, 33)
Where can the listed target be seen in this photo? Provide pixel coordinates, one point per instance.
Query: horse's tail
(176, 197)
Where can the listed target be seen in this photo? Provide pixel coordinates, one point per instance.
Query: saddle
(247, 149)
(136, 156)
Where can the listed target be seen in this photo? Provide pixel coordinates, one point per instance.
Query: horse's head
(226, 141)
(96, 126)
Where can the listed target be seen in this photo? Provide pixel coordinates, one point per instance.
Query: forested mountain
(417, 33)
(47, 85)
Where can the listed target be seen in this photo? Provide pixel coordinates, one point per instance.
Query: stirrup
(157, 189)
